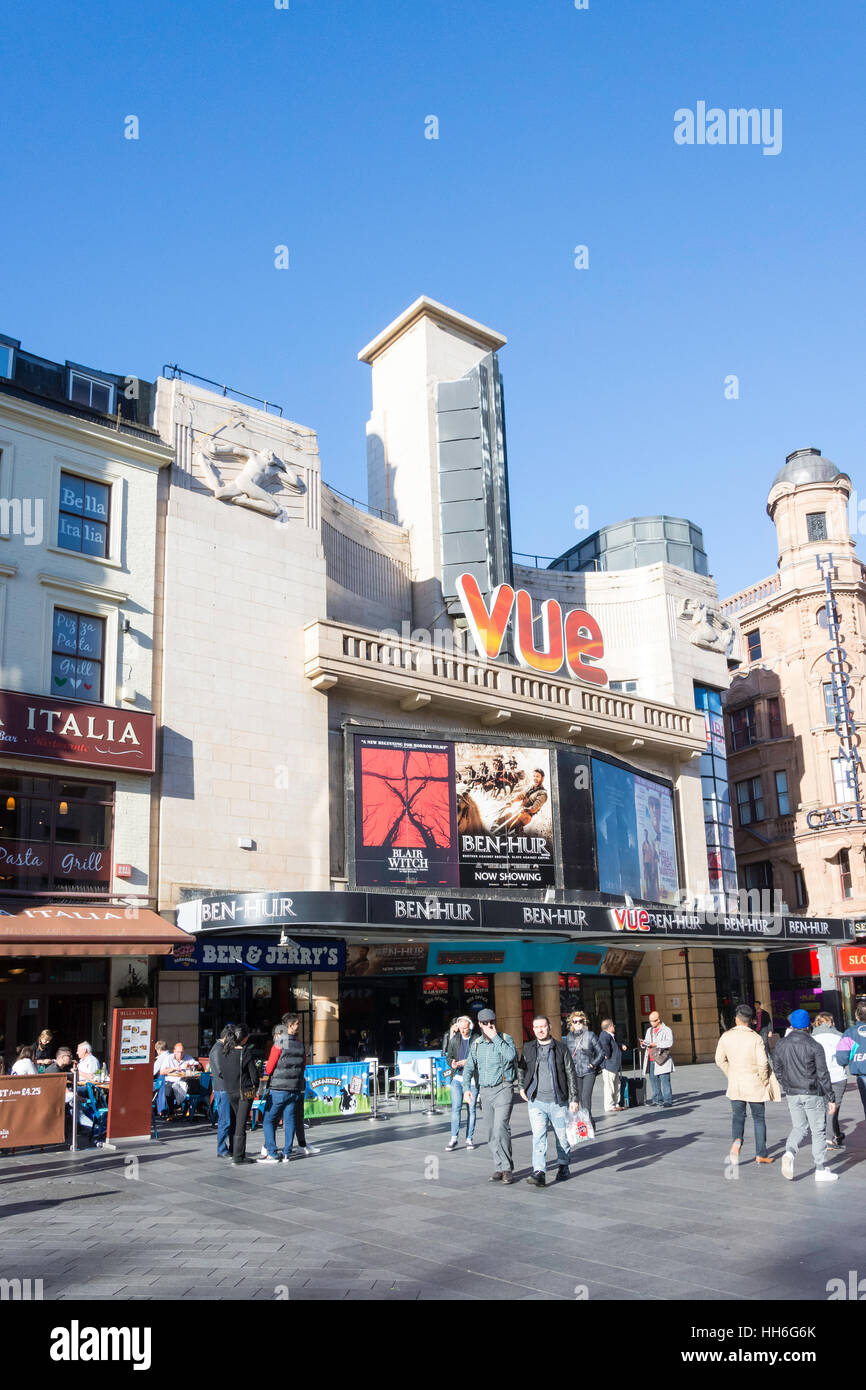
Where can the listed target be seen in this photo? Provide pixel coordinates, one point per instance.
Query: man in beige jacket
(742, 1056)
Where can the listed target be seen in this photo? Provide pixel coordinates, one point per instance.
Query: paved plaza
(383, 1212)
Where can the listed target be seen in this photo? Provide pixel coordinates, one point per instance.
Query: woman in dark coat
(586, 1055)
(238, 1074)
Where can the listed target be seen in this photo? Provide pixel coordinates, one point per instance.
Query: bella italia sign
(71, 731)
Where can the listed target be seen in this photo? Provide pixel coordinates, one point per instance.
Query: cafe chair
(407, 1080)
(96, 1110)
(198, 1096)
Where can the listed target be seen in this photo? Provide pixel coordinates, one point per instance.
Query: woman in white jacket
(825, 1033)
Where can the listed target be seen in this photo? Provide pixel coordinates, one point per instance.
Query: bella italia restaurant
(535, 851)
(78, 934)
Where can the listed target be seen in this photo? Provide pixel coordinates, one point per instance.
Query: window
(55, 834)
(750, 800)
(845, 873)
(7, 357)
(759, 875)
(743, 727)
(89, 391)
(816, 526)
(829, 703)
(774, 717)
(842, 788)
(753, 643)
(782, 793)
(624, 687)
(83, 516)
(801, 897)
(77, 648)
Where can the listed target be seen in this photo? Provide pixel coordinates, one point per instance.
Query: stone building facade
(300, 634)
(798, 816)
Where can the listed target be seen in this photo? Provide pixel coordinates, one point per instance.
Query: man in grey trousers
(801, 1068)
(492, 1065)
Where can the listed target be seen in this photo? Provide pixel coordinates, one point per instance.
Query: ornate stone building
(792, 714)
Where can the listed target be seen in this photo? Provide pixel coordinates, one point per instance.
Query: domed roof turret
(806, 466)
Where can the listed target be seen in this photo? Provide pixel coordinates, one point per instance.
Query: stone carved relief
(258, 467)
(709, 629)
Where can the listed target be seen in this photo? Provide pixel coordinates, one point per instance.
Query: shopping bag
(579, 1128)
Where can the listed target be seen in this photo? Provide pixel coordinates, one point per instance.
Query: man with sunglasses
(491, 1064)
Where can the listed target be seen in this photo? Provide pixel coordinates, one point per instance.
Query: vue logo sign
(575, 641)
(630, 918)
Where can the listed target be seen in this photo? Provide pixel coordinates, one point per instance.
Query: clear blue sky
(306, 127)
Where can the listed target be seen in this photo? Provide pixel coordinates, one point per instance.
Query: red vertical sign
(130, 1095)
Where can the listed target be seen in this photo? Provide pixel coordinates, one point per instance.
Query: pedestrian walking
(549, 1085)
(221, 1101)
(762, 1023)
(285, 1067)
(611, 1067)
(657, 1060)
(801, 1067)
(586, 1055)
(827, 1034)
(742, 1056)
(491, 1064)
(851, 1052)
(456, 1055)
(240, 1083)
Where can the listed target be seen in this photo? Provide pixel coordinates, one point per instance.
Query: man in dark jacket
(801, 1069)
(285, 1066)
(548, 1083)
(611, 1067)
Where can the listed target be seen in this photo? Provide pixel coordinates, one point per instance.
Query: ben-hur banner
(440, 914)
(465, 815)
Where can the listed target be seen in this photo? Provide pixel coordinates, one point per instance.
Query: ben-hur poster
(504, 816)
(404, 813)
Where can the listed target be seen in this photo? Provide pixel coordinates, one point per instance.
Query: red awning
(85, 930)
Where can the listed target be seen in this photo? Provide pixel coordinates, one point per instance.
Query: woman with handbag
(240, 1083)
(586, 1055)
(742, 1056)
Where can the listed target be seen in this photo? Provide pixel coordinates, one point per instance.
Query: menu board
(135, 1041)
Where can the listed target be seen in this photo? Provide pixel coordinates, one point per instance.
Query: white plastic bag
(579, 1128)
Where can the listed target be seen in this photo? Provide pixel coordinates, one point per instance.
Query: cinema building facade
(402, 776)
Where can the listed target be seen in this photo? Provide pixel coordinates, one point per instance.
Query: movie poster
(635, 842)
(504, 816)
(404, 813)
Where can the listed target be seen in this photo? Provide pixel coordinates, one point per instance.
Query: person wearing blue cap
(801, 1068)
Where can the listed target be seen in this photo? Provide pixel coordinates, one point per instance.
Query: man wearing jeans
(285, 1066)
(658, 1060)
(742, 1056)
(455, 1054)
(492, 1065)
(801, 1068)
(548, 1083)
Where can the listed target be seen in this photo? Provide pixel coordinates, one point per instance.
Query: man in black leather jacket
(548, 1084)
(801, 1069)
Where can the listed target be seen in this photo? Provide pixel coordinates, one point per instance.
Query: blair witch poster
(504, 816)
(404, 813)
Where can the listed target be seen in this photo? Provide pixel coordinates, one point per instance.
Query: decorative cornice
(81, 586)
